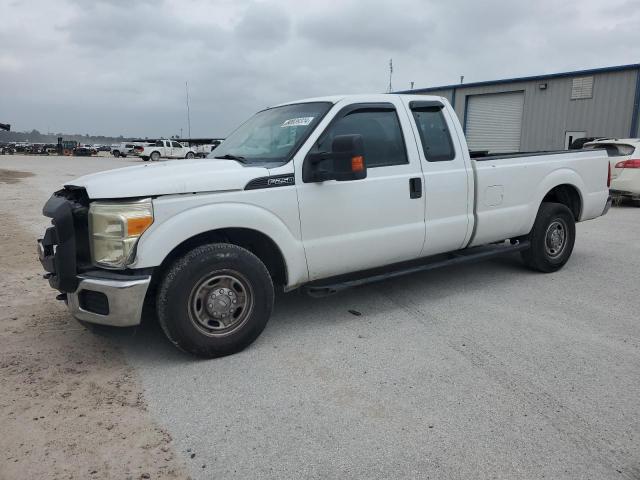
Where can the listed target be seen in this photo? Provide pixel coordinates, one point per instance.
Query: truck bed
(510, 187)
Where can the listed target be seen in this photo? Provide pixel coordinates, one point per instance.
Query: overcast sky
(119, 66)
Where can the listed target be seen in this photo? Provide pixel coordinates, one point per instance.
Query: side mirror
(345, 161)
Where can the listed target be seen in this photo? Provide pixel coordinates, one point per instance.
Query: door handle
(415, 187)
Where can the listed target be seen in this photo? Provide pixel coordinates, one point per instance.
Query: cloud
(120, 66)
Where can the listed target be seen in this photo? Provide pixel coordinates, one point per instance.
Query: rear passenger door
(177, 150)
(356, 225)
(448, 178)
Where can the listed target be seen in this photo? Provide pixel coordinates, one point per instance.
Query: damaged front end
(93, 295)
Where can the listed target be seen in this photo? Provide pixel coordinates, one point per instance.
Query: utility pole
(188, 112)
(390, 74)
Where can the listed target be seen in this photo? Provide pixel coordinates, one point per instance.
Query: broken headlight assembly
(114, 230)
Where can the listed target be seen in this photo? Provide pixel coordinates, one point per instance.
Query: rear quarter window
(434, 134)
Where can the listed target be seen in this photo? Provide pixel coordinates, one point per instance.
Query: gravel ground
(477, 371)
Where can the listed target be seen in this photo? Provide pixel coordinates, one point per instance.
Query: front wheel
(552, 238)
(215, 300)
(189, 155)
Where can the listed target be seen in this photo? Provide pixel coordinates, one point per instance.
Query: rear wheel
(116, 153)
(190, 155)
(155, 156)
(215, 300)
(552, 238)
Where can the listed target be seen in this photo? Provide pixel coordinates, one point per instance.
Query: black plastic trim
(333, 285)
(426, 104)
(273, 181)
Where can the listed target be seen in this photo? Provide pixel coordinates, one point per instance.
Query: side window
(159, 143)
(176, 145)
(434, 134)
(381, 135)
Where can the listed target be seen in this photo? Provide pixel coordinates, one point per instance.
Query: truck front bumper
(108, 301)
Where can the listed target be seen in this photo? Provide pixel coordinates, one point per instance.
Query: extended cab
(164, 149)
(320, 194)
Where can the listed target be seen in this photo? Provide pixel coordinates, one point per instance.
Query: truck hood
(166, 178)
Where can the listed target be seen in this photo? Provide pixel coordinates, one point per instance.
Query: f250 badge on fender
(271, 182)
(277, 181)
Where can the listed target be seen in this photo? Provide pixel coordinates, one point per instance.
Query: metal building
(546, 112)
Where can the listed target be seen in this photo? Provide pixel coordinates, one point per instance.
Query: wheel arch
(568, 195)
(563, 186)
(258, 243)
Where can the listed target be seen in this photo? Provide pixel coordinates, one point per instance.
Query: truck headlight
(114, 230)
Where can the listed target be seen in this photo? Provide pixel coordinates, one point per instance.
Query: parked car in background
(126, 148)
(122, 150)
(82, 151)
(164, 149)
(104, 148)
(624, 157)
(8, 149)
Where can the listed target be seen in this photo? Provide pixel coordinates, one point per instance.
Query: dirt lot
(476, 371)
(70, 406)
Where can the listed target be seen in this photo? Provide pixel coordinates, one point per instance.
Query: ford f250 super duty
(319, 194)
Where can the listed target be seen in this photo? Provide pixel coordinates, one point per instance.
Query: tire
(198, 289)
(116, 153)
(552, 238)
(155, 156)
(189, 155)
(145, 159)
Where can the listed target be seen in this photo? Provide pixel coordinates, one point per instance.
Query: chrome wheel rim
(220, 303)
(556, 238)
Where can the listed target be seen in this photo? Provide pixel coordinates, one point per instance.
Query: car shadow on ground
(297, 310)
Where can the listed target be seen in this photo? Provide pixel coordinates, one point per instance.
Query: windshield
(272, 135)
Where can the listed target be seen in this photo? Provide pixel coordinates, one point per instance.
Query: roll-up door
(494, 121)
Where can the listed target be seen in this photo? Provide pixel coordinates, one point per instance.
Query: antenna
(188, 112)
(390, 74)
(411, 85)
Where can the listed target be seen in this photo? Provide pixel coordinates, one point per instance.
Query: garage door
(494, 121)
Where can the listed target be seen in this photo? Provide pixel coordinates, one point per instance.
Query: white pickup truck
(320, 194)
(164, 149)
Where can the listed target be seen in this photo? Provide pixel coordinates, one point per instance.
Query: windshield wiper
(233, 157)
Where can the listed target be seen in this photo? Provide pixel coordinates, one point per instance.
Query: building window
(582, 87)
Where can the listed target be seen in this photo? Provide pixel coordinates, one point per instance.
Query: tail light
(138, 149)
(608, 174)
(628, 164)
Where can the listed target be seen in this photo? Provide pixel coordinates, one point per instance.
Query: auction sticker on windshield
(297, 122)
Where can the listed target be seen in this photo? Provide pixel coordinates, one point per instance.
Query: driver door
(360, 224)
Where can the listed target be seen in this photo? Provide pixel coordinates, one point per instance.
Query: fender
(562, 176)
(165, 235)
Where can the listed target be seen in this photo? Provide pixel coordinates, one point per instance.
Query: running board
(323, 288)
